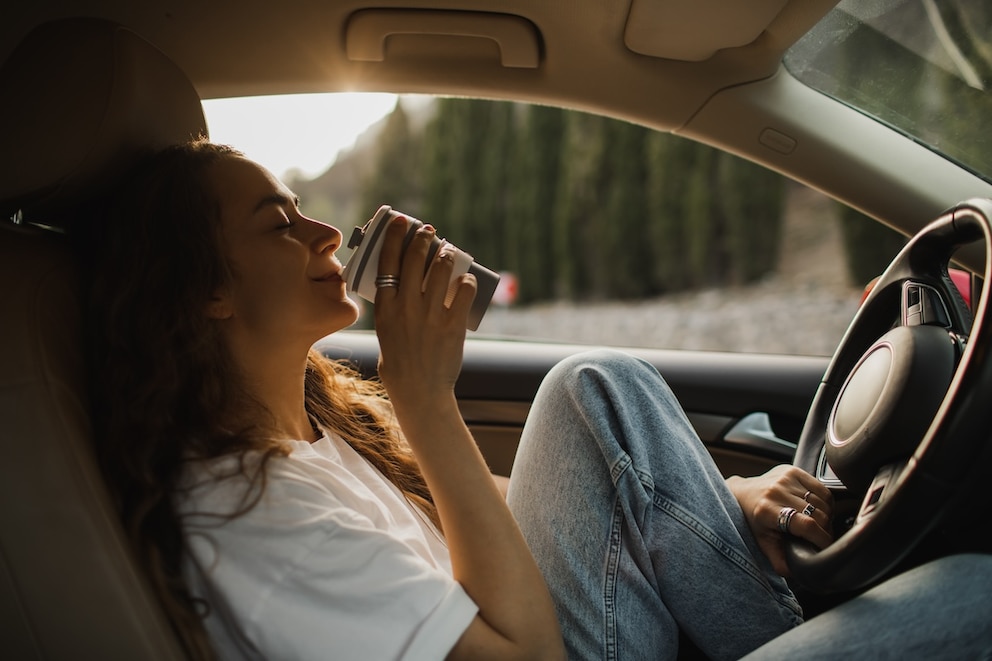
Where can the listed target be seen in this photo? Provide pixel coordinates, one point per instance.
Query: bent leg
(940, 610)
(633, 525)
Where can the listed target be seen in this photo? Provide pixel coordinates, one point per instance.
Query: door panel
(747, 408)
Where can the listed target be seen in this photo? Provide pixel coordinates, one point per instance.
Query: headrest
(80, 100)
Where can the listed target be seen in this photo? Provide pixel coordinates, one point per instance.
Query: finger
(436, 282)
(816, 489)
(813, 527)
(809, 509)
(817, 501)
(414, 259)
(807, 527)
(461, 305)
(390, 255)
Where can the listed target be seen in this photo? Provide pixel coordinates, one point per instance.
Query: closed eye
(289, 224)
(284, 205)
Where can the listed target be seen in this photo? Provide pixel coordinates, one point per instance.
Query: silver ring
(807, 495)
(809, 509)
(387, 281)
(785, 518)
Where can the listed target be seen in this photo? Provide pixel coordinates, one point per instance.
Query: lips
(330, 275)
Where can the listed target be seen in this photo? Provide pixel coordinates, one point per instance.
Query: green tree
(394, 179)
(491, 164)
(464, 174)
(534, 180)
(578, 210)
(440, 173)
(667, 177)
(749, 202)
(627, 254)
(703, 264)
(869, 245)
(580, 206)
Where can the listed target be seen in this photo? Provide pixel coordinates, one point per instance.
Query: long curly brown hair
(161, 372)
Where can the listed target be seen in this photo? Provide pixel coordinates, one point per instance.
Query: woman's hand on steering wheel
(785, 501)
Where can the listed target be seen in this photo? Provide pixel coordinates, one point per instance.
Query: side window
(609, 233)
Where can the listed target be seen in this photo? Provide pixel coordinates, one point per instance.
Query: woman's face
(286, 283)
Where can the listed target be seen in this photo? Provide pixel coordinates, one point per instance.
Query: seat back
(82, 98)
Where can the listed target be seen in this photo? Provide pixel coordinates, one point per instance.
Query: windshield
(922, 66)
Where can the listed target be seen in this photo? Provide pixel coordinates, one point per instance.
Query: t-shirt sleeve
(318, 583)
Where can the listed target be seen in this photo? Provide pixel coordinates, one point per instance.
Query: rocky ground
(803, 309)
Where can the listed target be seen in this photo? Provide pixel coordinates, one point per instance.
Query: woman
(285, 508)
(217, 422)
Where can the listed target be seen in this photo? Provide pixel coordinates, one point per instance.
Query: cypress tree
(393, 180)
(486, 225)
(869, 245)
(668, 161)
(534, 183)
(750, 209)
(626, 252)
(579, 211)
(703, 262)
(440, 167)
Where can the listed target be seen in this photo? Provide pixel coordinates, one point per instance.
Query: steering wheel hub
(888, 401)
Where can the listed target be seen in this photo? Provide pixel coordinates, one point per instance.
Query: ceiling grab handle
(368, 30)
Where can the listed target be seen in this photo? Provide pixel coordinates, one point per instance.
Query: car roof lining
(268, 49)
(276, 48)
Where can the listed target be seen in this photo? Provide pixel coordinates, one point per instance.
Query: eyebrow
(277, 199)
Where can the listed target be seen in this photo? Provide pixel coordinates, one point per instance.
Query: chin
(346, 315)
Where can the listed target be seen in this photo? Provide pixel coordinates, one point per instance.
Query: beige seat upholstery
(80, 99)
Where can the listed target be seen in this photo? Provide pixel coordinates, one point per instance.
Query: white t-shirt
(332, 563)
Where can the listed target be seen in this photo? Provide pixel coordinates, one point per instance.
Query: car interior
(90, 86)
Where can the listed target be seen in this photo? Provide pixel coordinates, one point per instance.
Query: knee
(598, 364)
(605, 372)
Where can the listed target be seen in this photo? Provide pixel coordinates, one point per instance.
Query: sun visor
(693, 30)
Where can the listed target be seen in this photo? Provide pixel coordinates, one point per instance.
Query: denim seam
(610, 584)
(684, 517)
(706, 534)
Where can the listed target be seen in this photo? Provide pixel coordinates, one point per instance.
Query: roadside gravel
(775, 316)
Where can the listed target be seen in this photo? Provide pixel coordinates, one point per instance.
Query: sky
(303, 132)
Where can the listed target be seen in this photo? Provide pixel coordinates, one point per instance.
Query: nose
(326, 238)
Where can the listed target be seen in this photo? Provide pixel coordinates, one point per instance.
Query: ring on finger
(809, 509)
(785, 518)
(807, 495)
(387, 281)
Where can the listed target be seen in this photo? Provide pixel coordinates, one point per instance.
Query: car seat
(81, 98)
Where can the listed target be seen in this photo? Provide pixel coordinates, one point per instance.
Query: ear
(219, 306)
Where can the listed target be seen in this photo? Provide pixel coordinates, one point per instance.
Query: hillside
(804, 307)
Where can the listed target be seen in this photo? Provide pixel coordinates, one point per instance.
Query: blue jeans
(938, 611)
(638, 536)
(632, 524)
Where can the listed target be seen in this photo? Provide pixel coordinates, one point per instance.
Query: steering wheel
(903, 412)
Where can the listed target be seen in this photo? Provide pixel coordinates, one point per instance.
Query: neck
(275, 379)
